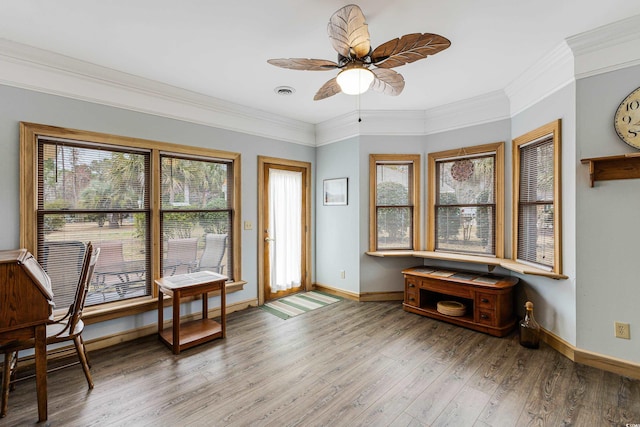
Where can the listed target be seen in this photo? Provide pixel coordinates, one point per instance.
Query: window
(81, 186)
(195, 203)
(536, 186)
(394, 201)
(98, 194)
(466, 201)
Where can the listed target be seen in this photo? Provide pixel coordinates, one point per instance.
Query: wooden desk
(26, 306)
(181, 336)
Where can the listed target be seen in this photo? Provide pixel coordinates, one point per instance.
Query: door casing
(264, 163)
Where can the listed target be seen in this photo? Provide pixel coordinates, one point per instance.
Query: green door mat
(297, 304)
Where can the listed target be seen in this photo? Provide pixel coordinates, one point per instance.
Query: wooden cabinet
(488, 298)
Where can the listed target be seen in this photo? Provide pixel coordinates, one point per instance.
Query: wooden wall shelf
(625, 166)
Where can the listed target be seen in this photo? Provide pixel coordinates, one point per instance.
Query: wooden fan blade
(304, 64)
(349, 33)
(387, 81)
(328, 89)
(408, 48)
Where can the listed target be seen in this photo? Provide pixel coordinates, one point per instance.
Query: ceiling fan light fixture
(355, 80)
(363, 68)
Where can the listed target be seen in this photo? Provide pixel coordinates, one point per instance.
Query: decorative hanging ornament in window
(461, 170)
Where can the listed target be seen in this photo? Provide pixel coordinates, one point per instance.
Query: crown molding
(607, 48)
(393, 122)
(370, 122)
(486, 108)
(474, 111)
(338, 129)
(35, 69)
(552, 72)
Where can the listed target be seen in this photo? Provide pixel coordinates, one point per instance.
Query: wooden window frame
(493, 148)
(414, 160)
(552, 129)
(29, 135)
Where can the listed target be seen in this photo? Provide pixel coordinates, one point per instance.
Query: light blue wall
(21, 105)
(383, 274)
(337, 240)
(607, 242)
(554, 300)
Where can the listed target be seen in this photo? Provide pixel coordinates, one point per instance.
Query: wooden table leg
(223, 308)
(41, 370)
(160, 311)
(205, 305)
(6, 382)
(176, 322)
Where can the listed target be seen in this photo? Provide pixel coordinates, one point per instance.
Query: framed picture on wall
(335, 192)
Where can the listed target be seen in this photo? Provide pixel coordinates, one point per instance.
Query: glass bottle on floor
(529, 328)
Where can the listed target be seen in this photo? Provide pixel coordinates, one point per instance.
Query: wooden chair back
(83, 286)
(62, 260)
(75, 310)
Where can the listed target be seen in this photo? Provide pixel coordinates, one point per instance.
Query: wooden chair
(62, 260)
(68, 328)
(215, 246)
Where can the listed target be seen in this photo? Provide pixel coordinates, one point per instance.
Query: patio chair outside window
(215, 246)
(182, 256)
(113, 274)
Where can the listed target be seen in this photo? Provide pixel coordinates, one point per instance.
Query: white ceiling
(220, 49)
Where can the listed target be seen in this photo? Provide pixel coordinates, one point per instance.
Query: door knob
(269, 239)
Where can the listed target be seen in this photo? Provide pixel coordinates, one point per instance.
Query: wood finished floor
(348, 364)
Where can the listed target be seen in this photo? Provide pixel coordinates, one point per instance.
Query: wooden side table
(184, 335)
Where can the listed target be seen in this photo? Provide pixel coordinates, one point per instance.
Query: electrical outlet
(622, 330)
(342, 274)
(248, 225)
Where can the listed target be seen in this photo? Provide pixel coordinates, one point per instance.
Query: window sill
(135, 306)
(491, 262)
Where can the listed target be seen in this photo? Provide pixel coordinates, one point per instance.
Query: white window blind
(93, 193)
(196, 213)
(536, 234)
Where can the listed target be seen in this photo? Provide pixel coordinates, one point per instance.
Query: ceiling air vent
(284, 90)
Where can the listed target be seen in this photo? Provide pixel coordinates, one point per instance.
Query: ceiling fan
(363, 68)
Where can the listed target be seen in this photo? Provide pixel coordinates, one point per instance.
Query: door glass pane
(285, 213)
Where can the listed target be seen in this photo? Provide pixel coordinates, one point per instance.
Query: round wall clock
(627, 119)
